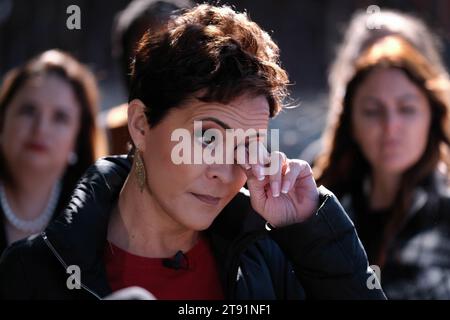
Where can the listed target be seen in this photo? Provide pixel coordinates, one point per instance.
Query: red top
(198, 280)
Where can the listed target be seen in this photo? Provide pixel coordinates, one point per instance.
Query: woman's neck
(28, 195)
(140, 226)
(384, 187)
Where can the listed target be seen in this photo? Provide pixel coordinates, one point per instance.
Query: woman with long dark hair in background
(386, 156)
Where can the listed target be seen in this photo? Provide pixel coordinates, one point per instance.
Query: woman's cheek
(239, 180)
(65, 140)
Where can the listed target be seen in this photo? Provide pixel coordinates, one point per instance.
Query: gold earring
(140, 170)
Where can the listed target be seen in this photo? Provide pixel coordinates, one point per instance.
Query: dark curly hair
(209, 51)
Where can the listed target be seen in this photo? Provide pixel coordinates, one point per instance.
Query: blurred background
(306, 31)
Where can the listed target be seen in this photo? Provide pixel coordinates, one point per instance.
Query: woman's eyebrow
(409, 96)
(368, 100)
(225, 126)
(219, 122)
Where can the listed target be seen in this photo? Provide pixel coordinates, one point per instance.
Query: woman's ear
(137, 123)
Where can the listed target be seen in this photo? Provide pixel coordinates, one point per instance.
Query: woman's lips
(39, 147)
(207, 199)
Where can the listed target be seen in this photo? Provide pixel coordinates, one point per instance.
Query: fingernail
(286, 186)
(275, 188)
(260, 173)
(247, 166)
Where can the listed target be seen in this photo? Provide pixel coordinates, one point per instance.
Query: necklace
(34, 225)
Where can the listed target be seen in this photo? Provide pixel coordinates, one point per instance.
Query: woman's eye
(27, 110)
(371, 112)
(206, 140)
(407, 110)
(61, 117)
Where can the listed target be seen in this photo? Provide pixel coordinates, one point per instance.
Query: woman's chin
(200, 220)
(395, 167)
(38, 163)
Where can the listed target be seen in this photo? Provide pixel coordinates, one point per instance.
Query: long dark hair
(342, 166)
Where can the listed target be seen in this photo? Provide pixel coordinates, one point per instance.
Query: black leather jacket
(321, 258)
(418, 259)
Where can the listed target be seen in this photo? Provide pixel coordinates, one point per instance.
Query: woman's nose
(41, 124)
(392, 122)
(222, 172)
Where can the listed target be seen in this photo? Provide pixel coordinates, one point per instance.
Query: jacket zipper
(241, 246)
(52, 248)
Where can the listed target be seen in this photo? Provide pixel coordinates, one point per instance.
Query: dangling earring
(140, 169)
(72, 159)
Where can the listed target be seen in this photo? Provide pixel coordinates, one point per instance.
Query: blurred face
(194, 194)
(41, 125)
(391, 120)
